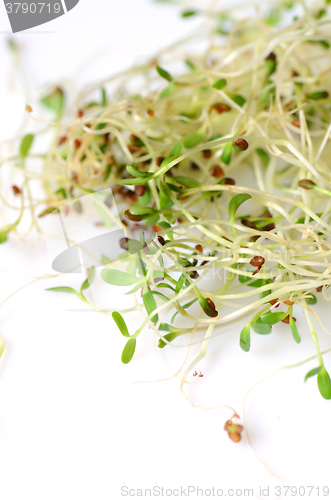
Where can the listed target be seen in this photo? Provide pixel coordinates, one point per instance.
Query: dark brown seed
(77, 143)
(161, 240)
(140, 189)
(296, 123)
(294, 73)
(207, 153)
(287, 319)
(124, 243)
(159, 160)
(273, 301)
(80, 113)
(194, 166)
(134, 138)
(127, 192)
(220, 107)
(199, 248)
(194, 275)
(212, 313)
(229, 182)
(204, 262)
(248, 223)
(241, 144)
(257, 261)
(306, 184)
(151, 113)
(16, 190)
(106, 137)
(268, 227)
(130, 216)
(210, 302)
(217, 171)
(132, 148)
(62, 140)
(271, 57)
(319, 288)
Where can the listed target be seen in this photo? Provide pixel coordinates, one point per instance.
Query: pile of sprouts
(219, 161)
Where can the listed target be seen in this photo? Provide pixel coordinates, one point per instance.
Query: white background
(72, 424)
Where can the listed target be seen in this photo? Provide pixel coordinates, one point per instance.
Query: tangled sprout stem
(224, 152)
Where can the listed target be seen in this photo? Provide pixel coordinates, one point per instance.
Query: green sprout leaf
(119, 320)
(273, 318)
(5, 231)
(2, 346)
(235, 203)
(136, 181)
(65, 289)
(89, 280)
(313, 372)
(104, 97)
(128, 351)
(273, 17)
(25, 146)
(151, 221)
(168, 90)
(190, 65)
(227, 153)
(150, 305)
(137, 173)
(142, 210)
(180, 283)
(55, 102)
(295, 331)
(312, 300)
(264, 156)
(118, 278)
(169, 337)
(162, 72)
(176, 150)
(324, 383)
(188, 13)
(245, 338)
(185, 306)
(220, 84)
(187, 182)
(323, 94)
(238, 99)
(261, 328)
(193, 140)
